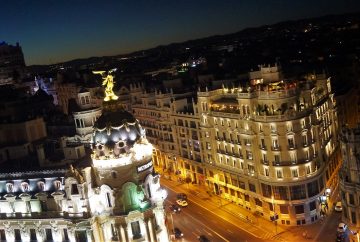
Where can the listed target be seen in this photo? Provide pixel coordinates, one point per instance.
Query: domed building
(125, 197)
(116, 196)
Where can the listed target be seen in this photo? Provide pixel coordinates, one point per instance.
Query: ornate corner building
(269, 145)
(116, 198)
(349, 175)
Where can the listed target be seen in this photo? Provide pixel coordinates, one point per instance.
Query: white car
(338, 207)
(342, 228)
(181, 202)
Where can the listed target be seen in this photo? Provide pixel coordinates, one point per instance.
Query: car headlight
(182, 234)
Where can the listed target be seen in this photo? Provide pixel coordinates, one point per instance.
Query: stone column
(24, 232)
(89, 235)
(129, 232)
(143, 229)
(149, 230)
(9, 232)
(123, 234)
(58, 197)
(71, 234)
(152, 230)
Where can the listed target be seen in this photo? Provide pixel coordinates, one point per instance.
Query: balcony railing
(290, 163)
(275, 148)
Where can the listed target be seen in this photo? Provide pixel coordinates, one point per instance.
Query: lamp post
(275, 217)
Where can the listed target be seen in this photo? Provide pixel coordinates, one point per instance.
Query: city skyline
(51, 32)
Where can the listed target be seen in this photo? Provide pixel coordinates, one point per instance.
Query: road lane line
(208, 228)
(229, 221)
(231, 232)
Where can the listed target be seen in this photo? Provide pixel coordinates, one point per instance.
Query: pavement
(244, 219)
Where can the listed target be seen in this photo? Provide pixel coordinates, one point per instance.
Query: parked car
(342, 227)
(178, 234)
(182, 203)
(203, 238)
(181, 196)
(338, 207)
(174, 208)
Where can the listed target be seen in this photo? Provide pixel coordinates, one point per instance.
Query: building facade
(270, 146)
(349, 175)
(115, 197)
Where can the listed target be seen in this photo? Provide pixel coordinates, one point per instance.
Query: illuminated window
(279, 173)
(9, 187)
(57, 184)
(41, 186)
(25, 186)
(295, 172)
(266, 171)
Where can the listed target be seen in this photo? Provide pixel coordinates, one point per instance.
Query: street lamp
(275, 217)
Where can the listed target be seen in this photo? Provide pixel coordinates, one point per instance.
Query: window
(279, 173)
(135, 227)
(266, 171)
(262, 141)
(25, 186)
(284, 209)
(275, 144)
(312, 188)
(74, 189)
(108, 199)
(57, 184)
(249, 155)
(353, 217)
(291, 143)
(258, 202)
(9, 187)
(295, 172)
(41, 186)
(251, 169)
(312, 205)
(305, 140)
(266, 190)
(252, 187)
(280, 193)
(299, 209)
(308, 170)
(351, 199)
(277, 158)
(297, 192)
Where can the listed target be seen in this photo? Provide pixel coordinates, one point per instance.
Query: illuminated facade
(349, 175)
(115, 198)
(12, 63)
(270, 146)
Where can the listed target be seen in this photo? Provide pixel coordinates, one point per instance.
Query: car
(338, 207)
(174, 208)
(181, 196)
(178, 234)
(203, 238)
(181, 202)
(342, 227)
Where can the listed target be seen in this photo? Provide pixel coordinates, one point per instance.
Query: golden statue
(108, 81)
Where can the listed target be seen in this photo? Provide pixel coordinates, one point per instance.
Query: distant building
(12, 63)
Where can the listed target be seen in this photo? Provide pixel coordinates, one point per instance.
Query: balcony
(275, 148)
(290, 163)
(262, 147)
(291, 147)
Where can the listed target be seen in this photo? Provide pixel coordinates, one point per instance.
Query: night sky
(54, 31)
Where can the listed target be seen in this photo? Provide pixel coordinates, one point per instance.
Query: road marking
(229, 221)
(231, 232)
(208, 228)
(200, 213)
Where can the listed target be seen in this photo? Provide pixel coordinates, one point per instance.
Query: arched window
(9, 187)
(57, 184)
(41, 186)
(25, 186)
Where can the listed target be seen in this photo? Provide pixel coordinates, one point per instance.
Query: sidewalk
(242, 218)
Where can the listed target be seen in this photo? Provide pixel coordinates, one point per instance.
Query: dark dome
(114, 119)
(117, 129)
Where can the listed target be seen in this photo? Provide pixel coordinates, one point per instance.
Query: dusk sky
(55, 31)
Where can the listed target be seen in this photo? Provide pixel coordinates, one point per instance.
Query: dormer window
(9, 187)
(41, 186)
(25, 186)
(57, 185)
